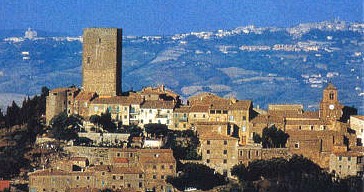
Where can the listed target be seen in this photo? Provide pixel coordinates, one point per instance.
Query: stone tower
(101, 61)
(330, 107)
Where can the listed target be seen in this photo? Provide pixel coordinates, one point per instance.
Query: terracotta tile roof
(199, 109)
(265, 118)
(120, 160)
(156, 156)
(160, 90)
(85, 96)
(182, 109)
(295, 114)
(4, 184)
(122, 100)
(216, 102)
(158, 105)
(285, 107)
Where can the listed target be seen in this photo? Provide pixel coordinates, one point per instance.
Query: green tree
(156, 129)
(64, 127)
(198, 176)
(274, 138)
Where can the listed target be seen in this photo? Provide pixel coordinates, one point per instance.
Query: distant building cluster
(332, 137)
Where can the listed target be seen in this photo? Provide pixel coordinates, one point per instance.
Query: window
(225, 142)
(103, 173)
(205, 116)
(88, 60)
(171, 167)
(118, 154)
(349, 158)
(218, 111)
(162, 167)
(114, 177)
(150, 121)
(212, 111)
(141, 121)
(300, 127)
(208, 151)
(162, 176)
(167, 121)
(340, 158)
(231, 118)
(125, 109)
(176, 125)
(140, 184)
(167, 111)
(77, 177)
(88, 177)
(225, 161)
(121, 177)
(311, 127)
(225, 152)
(130, 154)
(99, 40)
(125, 117)
(140, 176)
(359, 159)
(241, 153)
(154, 176)
(184, 125)
(129, 185)
(331, 96)
(297, 145)
(150, 111)
(207, 160)
(256, 153)
(154, 167)
(225, 112)
(208, 142)
(194, 115)
(244, 118)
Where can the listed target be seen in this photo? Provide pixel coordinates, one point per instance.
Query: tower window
(99, 40)
(331, 96)
(88, 60)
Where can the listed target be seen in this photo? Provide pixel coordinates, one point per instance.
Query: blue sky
(157, 17)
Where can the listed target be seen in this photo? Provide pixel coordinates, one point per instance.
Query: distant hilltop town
(229, 131)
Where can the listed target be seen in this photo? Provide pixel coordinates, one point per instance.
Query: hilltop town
(99, 137)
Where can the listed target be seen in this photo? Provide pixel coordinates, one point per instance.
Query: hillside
(266, 65)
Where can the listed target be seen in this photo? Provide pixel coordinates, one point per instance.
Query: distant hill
(266, 65)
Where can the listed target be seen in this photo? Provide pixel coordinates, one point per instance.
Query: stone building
(218, 149)
(357, 124)
(101, 61)
(114, 168)
(349, 163)
(59, 100)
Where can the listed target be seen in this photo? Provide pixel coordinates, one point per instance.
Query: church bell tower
(330, 108)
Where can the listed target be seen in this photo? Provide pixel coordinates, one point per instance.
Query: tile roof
(120, 160)
(182, 109)
(63, 89)
(159, 104)
(85, 96)
(156, 156)
(199, 108)
(122, 100)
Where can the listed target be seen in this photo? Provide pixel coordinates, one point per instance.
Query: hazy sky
(157, 17)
